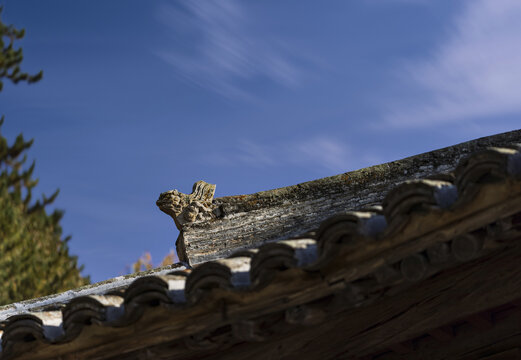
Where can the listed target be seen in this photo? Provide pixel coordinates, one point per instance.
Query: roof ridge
(246, 221)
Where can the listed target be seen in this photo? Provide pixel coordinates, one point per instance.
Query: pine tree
(11, 58)
(34, 257)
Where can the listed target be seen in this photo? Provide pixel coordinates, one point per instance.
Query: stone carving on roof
(189, 208)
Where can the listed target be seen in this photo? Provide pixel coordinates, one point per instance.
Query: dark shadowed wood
(513, 354)
(444, 333)
(481, 321)
(500, 342)
(447, 297)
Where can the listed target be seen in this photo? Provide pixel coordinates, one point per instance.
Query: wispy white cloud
(321, 153)
(473, 74)
(249, 152)
(214, 47)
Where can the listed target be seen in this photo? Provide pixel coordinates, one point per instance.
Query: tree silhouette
(11, 58)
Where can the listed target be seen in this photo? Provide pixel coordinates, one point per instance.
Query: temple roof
(380, 282)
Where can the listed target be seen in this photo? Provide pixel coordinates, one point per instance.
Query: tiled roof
(421, 228)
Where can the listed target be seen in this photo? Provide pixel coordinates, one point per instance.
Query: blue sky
(143, 97)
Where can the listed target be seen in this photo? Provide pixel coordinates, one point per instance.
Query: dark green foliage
(11, 58)
(34, 258)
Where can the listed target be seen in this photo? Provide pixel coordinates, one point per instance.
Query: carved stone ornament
(189, 208)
